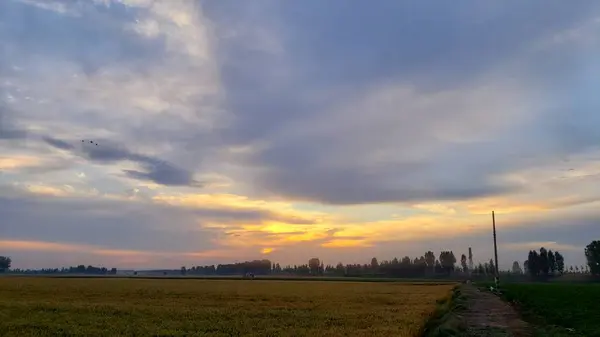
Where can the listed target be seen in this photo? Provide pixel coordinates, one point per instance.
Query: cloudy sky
(232, 130)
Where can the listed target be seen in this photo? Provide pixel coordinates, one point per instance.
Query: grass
(558, 309)
(445, 321)
(36, 306)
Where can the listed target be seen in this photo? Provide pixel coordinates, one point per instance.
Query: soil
(488, 315)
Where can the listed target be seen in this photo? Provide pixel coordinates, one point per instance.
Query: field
(553, 307)
(36, 306)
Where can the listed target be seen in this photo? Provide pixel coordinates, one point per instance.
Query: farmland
(35, 306)
(559, 309)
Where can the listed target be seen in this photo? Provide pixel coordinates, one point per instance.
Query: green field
(554, 307)
(36, 306)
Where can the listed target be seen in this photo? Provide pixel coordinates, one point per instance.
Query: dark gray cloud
(157, 170)
(569, 228)
(165, 174)
(437, 44)
(293, 173)
(57, 143)
(8, 129)
(9, 133)
(335, 52)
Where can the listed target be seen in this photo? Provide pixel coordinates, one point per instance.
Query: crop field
(572, 306)
(36, 306)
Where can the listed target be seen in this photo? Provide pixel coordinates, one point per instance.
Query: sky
(236, 130)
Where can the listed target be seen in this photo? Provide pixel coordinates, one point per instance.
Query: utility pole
(496, 279)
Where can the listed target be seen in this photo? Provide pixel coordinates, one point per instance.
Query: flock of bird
(91, 142)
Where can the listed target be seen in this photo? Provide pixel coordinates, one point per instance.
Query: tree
(544, 266)
(592, 255)
(374, 264)
(447, 260)
(486, 268)
(525, 267)
(480, 269)
(551, 262)
(533, 263)
(516, 269)
(183, 270)
(430, 260)
(314, 265)
(463, 263)
(5, 263)
(560, 262)
(492, 268)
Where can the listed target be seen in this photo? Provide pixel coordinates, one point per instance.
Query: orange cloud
(355, 234)
(503, 206)
(213, 253)
(286, 225)
(47, 190)
(436, 208)
(120, 252)
(352, 230)
(218, 200)
(70, 191)
(17, 162)
(266, 250)
(408, 228)
(253, 236)
(232, 201)
(342, 243)
(43, 246)
(516, 206)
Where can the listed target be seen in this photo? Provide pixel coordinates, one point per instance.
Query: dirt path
(488, 315)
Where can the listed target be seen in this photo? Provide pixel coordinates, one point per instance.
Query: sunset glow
(266, 130)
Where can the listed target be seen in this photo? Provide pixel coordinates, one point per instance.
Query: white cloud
(55, 6)
(537, 245)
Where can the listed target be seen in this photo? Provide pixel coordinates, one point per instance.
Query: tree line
(80, 269)
(542, 263)
(426, 265)
(545, 263)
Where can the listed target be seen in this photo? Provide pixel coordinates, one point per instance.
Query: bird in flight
(91, 142)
